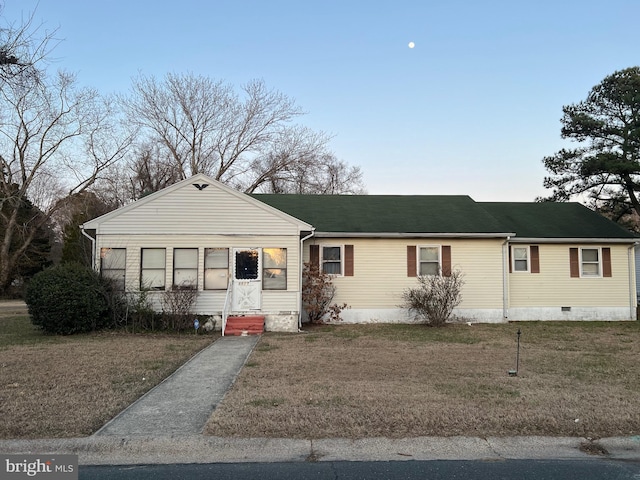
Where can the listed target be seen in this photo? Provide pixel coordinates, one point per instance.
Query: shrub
(138, 313)
(317, 294)
(178, 303)
(435, 297)
(68, 299)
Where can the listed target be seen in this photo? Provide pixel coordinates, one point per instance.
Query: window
(524, 259)
(216, 268)
(520, 259)
(332, 260)
(185, 267)
(429, 260)
(246, 265)
(274, 273)
(590, 262)
(152, 273)
(113, 264)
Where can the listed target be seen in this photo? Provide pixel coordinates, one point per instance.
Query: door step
(244, 325)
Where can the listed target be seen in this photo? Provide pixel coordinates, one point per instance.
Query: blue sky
(472, 109)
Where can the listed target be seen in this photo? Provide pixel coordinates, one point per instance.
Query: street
(596, 469)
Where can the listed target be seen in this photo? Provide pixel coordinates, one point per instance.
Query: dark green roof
(387, 213)
(554, 220)
(443, 214)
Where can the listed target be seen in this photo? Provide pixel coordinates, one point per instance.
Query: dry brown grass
(53, 386)
(395, 381)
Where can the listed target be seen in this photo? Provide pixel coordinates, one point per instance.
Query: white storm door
(247, 279)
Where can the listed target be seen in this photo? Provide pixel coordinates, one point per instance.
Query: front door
(247, 280)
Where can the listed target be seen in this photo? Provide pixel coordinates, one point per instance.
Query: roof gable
(197, 205)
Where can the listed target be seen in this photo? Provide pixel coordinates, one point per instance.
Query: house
(245, 253)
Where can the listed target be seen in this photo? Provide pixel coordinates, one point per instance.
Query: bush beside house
(435, 297)
(68, 299)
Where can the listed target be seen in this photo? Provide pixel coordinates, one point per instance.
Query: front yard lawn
(575, 379)
(52, 386)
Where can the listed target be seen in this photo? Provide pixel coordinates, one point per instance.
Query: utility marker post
(514, 373)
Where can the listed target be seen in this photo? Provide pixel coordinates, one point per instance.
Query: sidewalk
(110, 450)
(13, 307)
(182, 404)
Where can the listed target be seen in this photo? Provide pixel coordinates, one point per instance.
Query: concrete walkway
(182, 404)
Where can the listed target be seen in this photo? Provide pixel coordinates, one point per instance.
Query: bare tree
(299, 162)
(54, 138)
(146, 169)
(249, 142)
(24, 49)
(115, 185)
(336, 177)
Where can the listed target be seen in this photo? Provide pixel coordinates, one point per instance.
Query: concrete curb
(201, 449)
(622, 448)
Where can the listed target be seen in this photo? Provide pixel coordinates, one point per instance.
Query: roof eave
(411, 235)
(574, 240)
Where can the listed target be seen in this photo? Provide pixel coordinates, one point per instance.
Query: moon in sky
(411, 44)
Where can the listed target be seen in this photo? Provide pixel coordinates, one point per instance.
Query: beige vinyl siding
(212, 301)
(553, 286)
(380, 271)
(482, 267)
(188, 210)
(134, 244)
(279, 301)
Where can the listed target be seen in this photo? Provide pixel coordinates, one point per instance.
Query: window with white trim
(152, 271)
(520, 259)
(590, 262)
(429, 260)
(185, 268)
(113, 262)
(274, 268)
(216, 268)
(331, 259)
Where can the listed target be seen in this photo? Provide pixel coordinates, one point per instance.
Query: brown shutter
(412, 270)
(574, 265)
(510, 259)
(535, 259)
(348, 260)
(606, 262)
(446, 260)
(314, 255)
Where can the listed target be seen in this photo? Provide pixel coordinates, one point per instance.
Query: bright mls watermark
(50, 467)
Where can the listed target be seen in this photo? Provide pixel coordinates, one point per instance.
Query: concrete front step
(241, 332)
(246, 325)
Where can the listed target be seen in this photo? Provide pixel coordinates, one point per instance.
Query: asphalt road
(596, 469)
